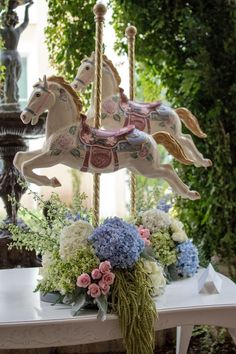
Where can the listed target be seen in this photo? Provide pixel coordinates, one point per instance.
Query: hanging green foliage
(135, 309)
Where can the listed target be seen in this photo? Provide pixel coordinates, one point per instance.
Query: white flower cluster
(155, 220)
(46, 262)
(157, 277)
(73, 237)
(177, 228)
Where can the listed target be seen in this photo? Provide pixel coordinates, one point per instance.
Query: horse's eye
(38, 94)
(86, 67)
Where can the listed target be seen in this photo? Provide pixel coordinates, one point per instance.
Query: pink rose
(94, 290)
(105, 288)
(96, 274)
(144, 233)
(105, 267)
(147, 241)
(65, 142)
(108, 278)
(83, 280)
(143, 152)
(109, 106)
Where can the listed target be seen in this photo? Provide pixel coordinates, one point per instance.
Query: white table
(25, 322)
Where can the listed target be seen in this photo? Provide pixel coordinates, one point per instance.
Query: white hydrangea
(73, 237)
(46, 262)
(155, 219)
(157, 277)
(178, 233)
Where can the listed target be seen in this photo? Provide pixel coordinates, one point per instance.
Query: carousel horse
(118, 111)
(72, 142)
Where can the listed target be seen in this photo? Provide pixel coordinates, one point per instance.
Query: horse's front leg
(43, 160)
(23, 156)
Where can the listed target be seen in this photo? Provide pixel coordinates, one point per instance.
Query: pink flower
(143, 152)
(88, 138)
(94, 290)
(144, 233)
(111, 140)
(108, 278)
(105, 288)
(109, 106)
(147, 242)
(96, 274)
(65, 142)
(83, 280)
(105, 267)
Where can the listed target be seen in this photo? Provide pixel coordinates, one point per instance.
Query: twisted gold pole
(131, 32)
(99, 12)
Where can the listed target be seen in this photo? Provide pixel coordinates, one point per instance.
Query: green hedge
(189, 46)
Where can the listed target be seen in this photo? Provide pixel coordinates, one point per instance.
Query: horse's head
(85, 74)
(41, 99)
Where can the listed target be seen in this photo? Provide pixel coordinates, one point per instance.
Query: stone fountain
(14, 135)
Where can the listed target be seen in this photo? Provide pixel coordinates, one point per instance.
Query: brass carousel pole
(99, 12)
(131, 33)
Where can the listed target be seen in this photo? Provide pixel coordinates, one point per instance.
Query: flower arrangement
(117, 267)
(169, 242)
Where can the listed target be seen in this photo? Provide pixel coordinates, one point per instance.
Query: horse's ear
(93, 55)
(40, 80)
(45, 84)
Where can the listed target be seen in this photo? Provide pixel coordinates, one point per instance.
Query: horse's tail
(190, 121)
(172, 146)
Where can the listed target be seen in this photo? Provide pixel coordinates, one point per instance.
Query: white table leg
(232, 332)
(183, 335)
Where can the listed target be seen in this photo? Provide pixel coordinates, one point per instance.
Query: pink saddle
(140, 108)
(143, 108)
(113, 133)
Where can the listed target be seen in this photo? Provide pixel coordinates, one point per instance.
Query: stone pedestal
(14, 136)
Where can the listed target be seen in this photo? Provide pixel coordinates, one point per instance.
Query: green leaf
(80, 302)
(72, 130)
(134, 155)
(148, 254)
(149, 157)
(102, 304)
(117, 117)
(75, 152)
(55, 152)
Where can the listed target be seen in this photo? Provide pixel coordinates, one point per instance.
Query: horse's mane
(110, 64)
(113, 69)
(61, 81)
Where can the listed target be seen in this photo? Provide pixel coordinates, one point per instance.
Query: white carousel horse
(70, 141)
(118, 111)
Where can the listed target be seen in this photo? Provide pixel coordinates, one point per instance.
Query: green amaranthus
(137, 313)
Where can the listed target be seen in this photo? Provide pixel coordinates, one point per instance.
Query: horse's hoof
(55, 183)
(208, 163)
(194, 195)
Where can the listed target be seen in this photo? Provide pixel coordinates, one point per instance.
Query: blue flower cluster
(73, 218)
(164, 203)
(118, 242)
(187, 259)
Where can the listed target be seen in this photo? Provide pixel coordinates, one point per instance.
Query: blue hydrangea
(164, 203)
(73, 218)
(187, 259)
(118, 242)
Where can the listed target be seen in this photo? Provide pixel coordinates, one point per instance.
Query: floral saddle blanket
(136, 113)
(101, 145)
